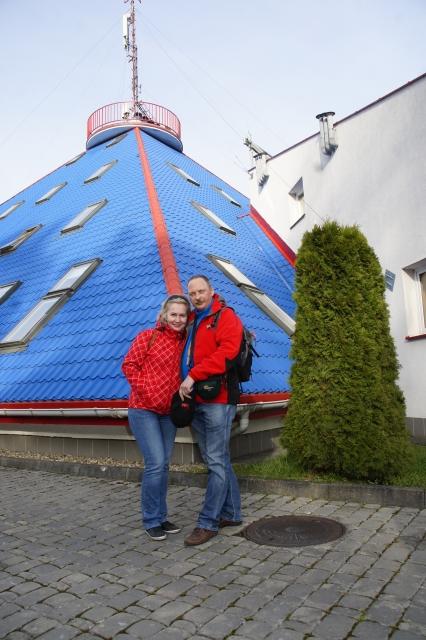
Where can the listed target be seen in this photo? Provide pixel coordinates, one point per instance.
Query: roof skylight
(183, 174)
(7, 289)
(11, 209)
(18, 338)
(264, 302)
(77, 157)
(116, 140)
(81, 218)
(100, 172)
(213, 217)
(226, 195)
(11, 246)
(51, 193)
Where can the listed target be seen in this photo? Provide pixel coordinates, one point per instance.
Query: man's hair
(203, 277)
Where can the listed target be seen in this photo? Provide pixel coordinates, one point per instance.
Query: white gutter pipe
(242, 409)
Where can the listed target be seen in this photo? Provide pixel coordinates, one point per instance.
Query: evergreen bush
(346, 414)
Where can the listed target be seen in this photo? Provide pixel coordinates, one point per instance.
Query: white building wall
(376, 179)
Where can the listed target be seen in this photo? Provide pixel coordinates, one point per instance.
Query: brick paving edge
(384, 495)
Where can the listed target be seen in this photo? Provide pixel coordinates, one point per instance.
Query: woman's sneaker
(169, 527)
(156, 533)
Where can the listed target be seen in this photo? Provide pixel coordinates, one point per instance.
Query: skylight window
(11, 246)
(51, 193)
(11, 209)
(77, 157)
(100, 172)
(183, 174)
(226, 195)
(213, 217)
(81, 218)
(264, 302)
(18, 338)
(116, 140)
(6, 290)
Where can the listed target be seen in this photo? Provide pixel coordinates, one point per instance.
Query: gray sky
(224, 67)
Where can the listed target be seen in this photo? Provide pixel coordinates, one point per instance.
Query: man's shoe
(156, 533)
(169, 527)
(229, 523)
(199, 536)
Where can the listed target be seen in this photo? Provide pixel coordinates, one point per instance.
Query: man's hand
(186, 388)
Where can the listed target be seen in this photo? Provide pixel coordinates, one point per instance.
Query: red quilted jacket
(215, 346)
(153, 368)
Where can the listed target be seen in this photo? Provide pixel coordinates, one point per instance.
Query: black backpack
(244, 360)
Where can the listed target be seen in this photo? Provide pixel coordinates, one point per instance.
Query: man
(212, 345)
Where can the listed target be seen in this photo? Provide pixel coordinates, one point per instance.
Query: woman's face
(176, 315)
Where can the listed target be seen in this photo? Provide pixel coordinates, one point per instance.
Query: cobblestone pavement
(75, 563)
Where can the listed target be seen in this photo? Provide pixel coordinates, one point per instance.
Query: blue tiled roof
(78, 353)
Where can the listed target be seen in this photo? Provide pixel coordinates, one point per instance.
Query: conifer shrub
(347, 413)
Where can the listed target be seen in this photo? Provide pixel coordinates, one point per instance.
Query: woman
(152, 368)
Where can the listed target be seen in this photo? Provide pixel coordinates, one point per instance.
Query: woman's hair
(179, 298)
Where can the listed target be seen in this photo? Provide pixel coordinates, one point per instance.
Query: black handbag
(182, 411)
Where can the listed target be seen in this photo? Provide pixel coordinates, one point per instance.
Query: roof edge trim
(273, 236)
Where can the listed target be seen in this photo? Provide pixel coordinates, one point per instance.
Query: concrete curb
(383, 495)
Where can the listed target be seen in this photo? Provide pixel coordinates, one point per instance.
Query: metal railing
(121, 112)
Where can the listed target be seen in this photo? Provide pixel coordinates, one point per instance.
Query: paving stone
(111, 626)
(144, 629)
(253, 629)
(200, 615)
(38, 626)
(171, 611)
(334, 626)
(221, 626)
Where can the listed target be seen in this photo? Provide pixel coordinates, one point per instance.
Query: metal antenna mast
(129, 34)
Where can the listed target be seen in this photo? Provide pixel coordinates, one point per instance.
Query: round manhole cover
(293, 531)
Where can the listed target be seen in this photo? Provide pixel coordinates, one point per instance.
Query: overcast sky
(227, 68)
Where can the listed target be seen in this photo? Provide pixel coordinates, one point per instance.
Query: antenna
(129, 35)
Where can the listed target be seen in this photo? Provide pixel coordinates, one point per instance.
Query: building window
(100, 172)
(116, 140)
(85, 215)
(297, 203)
(11, 209)
(414, 282)
(256, 295)
(183, 174)
(6, 290)
(77, 157)
(51, 193)
(213, 218)
(11, 246)
(226, 195)
(19, 337)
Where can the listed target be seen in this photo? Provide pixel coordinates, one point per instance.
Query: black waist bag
(210, 388)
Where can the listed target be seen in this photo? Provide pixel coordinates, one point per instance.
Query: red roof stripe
(168, 263)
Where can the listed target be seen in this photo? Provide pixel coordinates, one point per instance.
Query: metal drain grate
(293, 531)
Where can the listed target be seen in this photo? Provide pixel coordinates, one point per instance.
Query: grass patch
(283, 468)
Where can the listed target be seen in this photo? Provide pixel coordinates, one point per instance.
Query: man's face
(200, 293)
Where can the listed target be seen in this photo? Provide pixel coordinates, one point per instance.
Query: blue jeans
(155, 435)
(212, 424)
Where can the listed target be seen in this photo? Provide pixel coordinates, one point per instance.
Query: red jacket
(215, 347)
(153, 368)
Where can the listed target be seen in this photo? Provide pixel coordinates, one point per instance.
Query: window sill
(420, 336)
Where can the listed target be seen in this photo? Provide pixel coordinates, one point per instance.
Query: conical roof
(131, 220)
